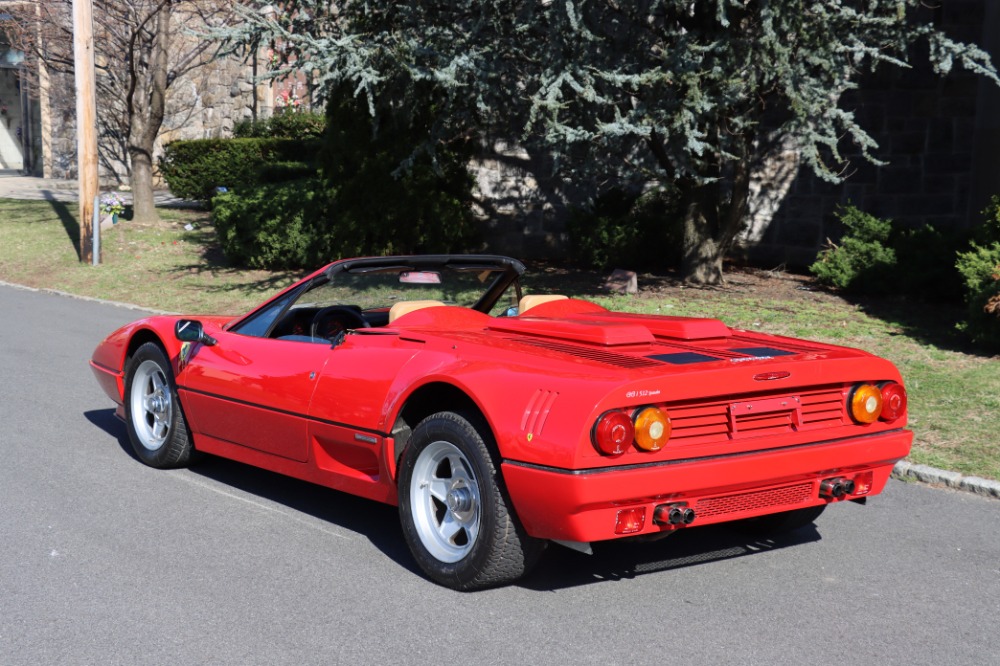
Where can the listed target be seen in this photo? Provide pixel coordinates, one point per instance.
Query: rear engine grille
(776, 414)
(611, 358)
(761, 499)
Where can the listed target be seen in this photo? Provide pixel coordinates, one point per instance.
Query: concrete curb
(908, 471)
(78, 297)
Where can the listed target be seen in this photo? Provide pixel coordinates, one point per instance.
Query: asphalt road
(105, 561)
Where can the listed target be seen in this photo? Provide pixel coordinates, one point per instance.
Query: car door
(253, 391)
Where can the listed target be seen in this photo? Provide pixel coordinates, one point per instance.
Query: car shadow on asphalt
(625, 560)
(559, 567)
(377, 522)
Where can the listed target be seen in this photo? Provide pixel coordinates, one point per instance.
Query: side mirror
(189, 330)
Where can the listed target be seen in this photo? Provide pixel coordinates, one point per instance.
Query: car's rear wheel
(454, 508)
(777, 523)
(156, 426)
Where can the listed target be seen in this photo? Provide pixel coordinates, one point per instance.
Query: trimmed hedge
(283, 125)
(194, 169)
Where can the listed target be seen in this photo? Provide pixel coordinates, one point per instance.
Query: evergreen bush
(390, 199)
(277, 226)
(622, 230)
(863, 262)
(363, 202)
(980, 270)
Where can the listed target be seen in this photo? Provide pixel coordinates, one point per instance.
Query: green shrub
(362, 203)
(278, 172)
(286, 124)
(863, 262)
(390, 198)
(923, 266)
(980, 270)
(622, 230)
(194, 169)
(276, 226)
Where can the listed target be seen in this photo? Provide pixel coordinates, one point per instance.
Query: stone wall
(926, 129)
(939, 135)
(206, 102)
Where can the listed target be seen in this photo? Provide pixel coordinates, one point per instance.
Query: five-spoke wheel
(156, 425)
(454, 507)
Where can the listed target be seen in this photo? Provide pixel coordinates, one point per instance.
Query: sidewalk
(14, 185)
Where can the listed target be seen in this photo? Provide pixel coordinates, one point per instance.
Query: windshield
(375, 289)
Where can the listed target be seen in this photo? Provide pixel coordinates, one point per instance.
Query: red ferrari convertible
(499, 421)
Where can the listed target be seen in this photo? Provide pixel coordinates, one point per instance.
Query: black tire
(455, 512)
(153, 415)
(778, 523)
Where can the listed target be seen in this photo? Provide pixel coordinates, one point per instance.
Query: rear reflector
(631, 520)
(863, 483)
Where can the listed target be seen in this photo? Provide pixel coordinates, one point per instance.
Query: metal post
(96, 226)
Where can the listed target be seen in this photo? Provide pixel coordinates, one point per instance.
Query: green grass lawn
(954, 390)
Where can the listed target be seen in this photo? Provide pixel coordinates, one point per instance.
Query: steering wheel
(333, 320)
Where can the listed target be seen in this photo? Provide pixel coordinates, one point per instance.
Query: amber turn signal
(865, 403)
(652, 429)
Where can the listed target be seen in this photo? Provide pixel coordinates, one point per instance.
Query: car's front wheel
(454, 509)
(156, 426)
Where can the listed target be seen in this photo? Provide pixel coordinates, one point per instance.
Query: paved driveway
(105, 561)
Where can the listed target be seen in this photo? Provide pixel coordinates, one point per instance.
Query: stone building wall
(939, 135)
(204, 103)
(926, 128)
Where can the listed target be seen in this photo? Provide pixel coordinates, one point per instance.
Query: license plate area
(767, 414)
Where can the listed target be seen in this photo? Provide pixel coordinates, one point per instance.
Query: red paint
(326, 414)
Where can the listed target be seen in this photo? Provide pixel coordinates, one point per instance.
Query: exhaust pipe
(673, 514)
(834, 488)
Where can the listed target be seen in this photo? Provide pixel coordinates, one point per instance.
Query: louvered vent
(611, 358)
(787, 496)
(761, 415)
(537, 411)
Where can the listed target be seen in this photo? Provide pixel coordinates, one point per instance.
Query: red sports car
(498, 421)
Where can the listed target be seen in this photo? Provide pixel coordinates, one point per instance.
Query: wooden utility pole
(86, 122)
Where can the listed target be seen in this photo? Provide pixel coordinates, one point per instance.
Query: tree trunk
(702, 258)
(147, 105)
(141, 178)
(712, 220)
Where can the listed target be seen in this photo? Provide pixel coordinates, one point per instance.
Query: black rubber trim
(685, 461)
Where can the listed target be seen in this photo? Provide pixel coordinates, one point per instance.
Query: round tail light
(893, 401)
(613, 433)
(865, 403)
(652, 429)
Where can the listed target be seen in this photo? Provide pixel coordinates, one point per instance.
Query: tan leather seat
(531, 300)
(406, 307)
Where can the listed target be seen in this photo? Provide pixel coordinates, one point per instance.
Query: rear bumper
(584, 505)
